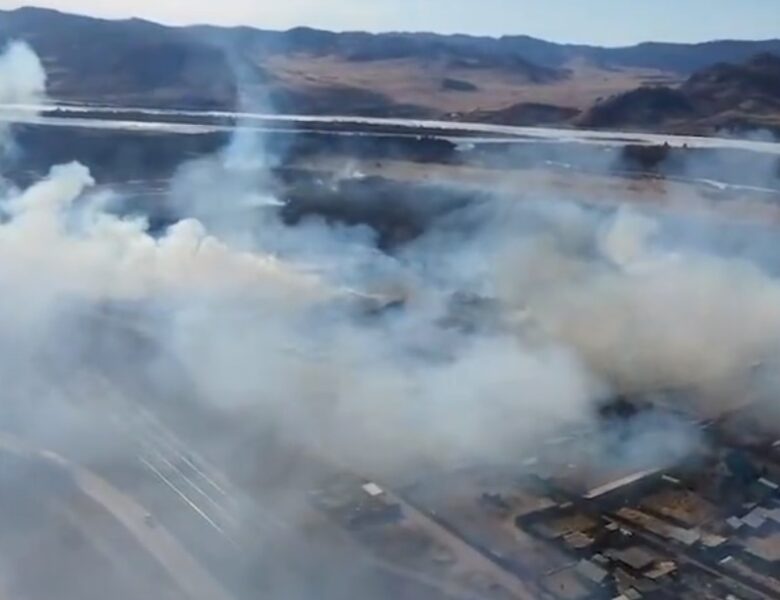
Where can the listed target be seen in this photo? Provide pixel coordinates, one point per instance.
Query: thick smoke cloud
(275, 325)
(99, 257)
(651, 318)
(267, 319)
(504, 324)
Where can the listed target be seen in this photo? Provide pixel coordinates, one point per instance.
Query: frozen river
(200, 122)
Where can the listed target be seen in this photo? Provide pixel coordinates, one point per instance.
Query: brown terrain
(725, 96)
(516, 80)
(408, 81)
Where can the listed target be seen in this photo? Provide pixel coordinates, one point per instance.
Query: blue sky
(607, 22)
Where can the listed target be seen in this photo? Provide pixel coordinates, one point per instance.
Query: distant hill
(134, 61)
(524, 114)
(643, 107)
(682, 58)
(723, 96)
(512, 79)
(752, 86)
(510, 51)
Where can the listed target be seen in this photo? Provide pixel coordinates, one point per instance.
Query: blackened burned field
(396, 182)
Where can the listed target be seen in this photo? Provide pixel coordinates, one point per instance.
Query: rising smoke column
(22, 81)
(22, 76)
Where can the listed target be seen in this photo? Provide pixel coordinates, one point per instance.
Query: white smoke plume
(22, 81)
(22, 76)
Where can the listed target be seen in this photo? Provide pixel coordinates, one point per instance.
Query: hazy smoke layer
(516, 320)
(503, 324)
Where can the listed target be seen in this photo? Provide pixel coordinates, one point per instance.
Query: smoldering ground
(500, 325)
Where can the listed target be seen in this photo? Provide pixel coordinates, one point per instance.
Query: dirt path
(189, 575)
(467, 554)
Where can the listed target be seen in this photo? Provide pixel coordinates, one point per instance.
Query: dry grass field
(420, 83)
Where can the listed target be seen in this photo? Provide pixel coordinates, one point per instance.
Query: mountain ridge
(724, 96)
(512, 79)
